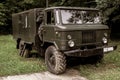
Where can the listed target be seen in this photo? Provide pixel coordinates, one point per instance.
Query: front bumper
(90, 52)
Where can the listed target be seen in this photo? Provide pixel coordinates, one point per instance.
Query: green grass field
(108, 69)
(12, 64)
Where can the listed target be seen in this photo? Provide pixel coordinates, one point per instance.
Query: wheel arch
(28, 44)
(47, 44)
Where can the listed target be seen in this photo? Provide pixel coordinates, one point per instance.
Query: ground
(70, 74)
(12, 64)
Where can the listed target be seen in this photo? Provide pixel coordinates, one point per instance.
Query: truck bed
(25, 24)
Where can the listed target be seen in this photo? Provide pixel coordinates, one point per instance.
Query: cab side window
(50, 17)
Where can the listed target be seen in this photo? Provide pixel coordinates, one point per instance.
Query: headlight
(71, 43)
(69, 37)
(104, 40)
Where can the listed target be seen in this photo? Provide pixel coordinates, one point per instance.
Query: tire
(21, 46)
(55, 60)
(26, 53)
(23, 52)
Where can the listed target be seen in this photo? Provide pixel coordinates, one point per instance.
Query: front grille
(88, 36)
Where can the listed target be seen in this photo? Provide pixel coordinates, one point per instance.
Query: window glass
(50, 17)
(90, 17)
(71, 17)
(80, 17)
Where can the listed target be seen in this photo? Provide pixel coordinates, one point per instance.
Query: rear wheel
(23, 51)
(26, 53)
(21, 46)
(55, 60)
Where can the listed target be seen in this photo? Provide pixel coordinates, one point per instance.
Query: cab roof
(71, 8)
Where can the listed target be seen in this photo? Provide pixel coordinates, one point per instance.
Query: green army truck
(58, 32)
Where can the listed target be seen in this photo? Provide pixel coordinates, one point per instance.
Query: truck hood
(81, 27)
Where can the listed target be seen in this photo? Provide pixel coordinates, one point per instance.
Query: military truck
(58, 32)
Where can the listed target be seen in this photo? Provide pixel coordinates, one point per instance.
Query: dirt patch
(69, 75)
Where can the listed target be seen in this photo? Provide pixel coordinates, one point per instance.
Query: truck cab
(71, 29)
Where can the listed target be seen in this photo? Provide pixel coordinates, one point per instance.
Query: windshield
(80, 17)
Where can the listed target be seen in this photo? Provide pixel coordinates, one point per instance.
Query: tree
(8, 7)
(111, 11)
(77, 3)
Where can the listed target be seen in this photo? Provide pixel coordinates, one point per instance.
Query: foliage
(1, 15)
(8, 7)
(111, 10)
(77, 3)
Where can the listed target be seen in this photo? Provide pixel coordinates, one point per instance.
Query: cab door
(48, 30)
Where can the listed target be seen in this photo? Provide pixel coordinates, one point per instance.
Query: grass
(11, 63)
(108, 69)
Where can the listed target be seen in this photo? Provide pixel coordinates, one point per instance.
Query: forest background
(109, 8)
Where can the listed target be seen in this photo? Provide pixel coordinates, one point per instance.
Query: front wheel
(55, 60)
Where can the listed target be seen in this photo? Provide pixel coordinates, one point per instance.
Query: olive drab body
(57, 32)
